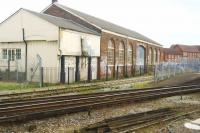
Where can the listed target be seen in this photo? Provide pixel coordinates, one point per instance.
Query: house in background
(62, 47)
(187, 51)
(121, 49)
(178, 51)
(171, 55)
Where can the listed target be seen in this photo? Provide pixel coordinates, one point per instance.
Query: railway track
(63, 90)
(28, 109)
(129, 122)
(134, 122)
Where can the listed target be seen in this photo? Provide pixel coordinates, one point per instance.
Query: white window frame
(11, 54)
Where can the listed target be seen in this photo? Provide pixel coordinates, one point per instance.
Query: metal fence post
(117, 76)
(134, 70)
(89, 69)
(154, 73)
(68, 75)
(8, 75)
(41, 76)
(77, 72)
(62, 71)
(140, 70)
(106, 72)
(126, 71)
(17, 73)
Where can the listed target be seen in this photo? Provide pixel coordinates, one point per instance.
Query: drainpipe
(23, 32)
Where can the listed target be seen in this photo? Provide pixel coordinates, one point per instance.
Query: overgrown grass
(8, 86)
(14, 86)
(140, 85)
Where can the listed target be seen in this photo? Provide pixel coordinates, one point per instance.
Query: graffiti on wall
(103, 66)
(86, 47)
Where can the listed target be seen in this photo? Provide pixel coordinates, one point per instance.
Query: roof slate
(63, 23)
(171, 51)
(107, 25)
(187, 48)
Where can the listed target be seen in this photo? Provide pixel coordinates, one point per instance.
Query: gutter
(23, 32)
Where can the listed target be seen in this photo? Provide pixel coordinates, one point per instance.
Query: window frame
(11, 54)
(121, 53)
(130, 54)
(18, 54)
(110, 53)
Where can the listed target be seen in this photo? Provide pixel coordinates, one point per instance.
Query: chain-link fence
(14, 71)
(11, 71)
(168, 69)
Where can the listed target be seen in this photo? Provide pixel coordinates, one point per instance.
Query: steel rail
(65, 97)
(56, 108)
(93, 86)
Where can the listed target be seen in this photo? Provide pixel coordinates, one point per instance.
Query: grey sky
(165, 21)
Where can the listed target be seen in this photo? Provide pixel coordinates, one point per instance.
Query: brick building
(179, 51)
(171, 55)
(187, 51)
(120, 48)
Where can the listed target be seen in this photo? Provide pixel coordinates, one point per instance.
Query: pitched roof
(63, 23)
(171, 51)
(198, 47)
(107, 25)
(186, 48)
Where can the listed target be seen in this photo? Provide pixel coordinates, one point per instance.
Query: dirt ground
(70, 122)
(179, 79)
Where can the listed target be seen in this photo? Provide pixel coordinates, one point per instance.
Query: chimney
(53, 1)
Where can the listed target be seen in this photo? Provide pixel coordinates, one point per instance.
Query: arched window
(150, 56)
(121, 53)
(154, 56)
(111, 50)
(140, 55)
(158, 56)
(130, 54)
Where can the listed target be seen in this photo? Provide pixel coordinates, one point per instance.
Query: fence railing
(71, 74)
(168, 69)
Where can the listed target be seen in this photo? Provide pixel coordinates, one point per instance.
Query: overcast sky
(165, 21)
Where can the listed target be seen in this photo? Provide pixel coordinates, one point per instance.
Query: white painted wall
(94, 68)
(42, 39)
(70, 62)
(19, 64)
(83, 68)
(70, 43)
(48, 51)
(35, 28)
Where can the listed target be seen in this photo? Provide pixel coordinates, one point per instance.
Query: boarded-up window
(121, 53)
(130, 54)
(111, 50)
(140, 55)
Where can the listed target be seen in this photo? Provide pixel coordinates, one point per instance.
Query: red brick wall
(112, 72)
(105, 37)
(56, 11)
